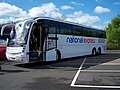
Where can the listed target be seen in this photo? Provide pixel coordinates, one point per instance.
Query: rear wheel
(99, 51)
(93, 52)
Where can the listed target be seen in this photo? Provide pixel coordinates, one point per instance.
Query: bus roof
(63, 21)
(59, 20)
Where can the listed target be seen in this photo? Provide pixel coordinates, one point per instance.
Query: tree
(113, 33)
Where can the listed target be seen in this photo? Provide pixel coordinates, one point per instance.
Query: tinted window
(69, 29)
(77, 31)
(53, 27)
(6, 33)
(102, 34)
(85, 31)
(93, 33)
(65, 29)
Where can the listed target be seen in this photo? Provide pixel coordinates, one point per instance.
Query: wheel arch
(58, 54)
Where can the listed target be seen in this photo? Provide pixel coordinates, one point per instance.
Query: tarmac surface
(82, 73)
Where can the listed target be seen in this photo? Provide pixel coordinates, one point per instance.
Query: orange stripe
(3, 45)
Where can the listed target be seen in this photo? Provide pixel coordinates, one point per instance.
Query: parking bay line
(90, 86)
(78, 72)
(97, 71)
(102, 64)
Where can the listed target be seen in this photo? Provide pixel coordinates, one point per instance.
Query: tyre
(93, 52)
(99, 51)
(58, 55)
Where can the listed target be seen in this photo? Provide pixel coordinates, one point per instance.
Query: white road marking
(110, 64)
(77, 74)
(91, 86)
(102, 64)
(94, 86)
(107, 71)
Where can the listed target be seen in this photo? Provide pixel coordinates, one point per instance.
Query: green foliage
(113, 33)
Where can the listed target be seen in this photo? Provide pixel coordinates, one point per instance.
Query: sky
(95, 13)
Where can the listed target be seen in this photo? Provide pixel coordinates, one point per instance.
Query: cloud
(46, 10)
(106, 22)
(65, 7)
(97, 27)
(116, 3)
(98, 0)
(3, 21)
(80, 17)
(50, 10)
(76, 3)
(100, 9)
(6, 20)
(11, 10)
(14, 13)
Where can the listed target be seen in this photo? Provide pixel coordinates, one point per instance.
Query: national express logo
(79, 40)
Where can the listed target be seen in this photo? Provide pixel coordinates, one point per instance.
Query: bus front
(17, 42)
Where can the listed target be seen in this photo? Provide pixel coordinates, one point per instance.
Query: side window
(65, 29)
(102, 34)
(93, 33)
(85, 31)
(52, 30)
(77, 31)
(3, 39)
(51, 27)
(7, 31)
(81, 31)
(97, 33)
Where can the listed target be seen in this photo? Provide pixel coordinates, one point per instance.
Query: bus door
(36, 43)
(51, 44)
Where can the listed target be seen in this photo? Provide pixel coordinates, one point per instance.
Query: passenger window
(65, 29)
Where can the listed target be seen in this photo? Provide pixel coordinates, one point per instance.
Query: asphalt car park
(81, 73)
(99, 72)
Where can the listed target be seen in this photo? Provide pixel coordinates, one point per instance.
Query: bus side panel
(69, 48)
(102, 45)
(72, 46)
(51, 55)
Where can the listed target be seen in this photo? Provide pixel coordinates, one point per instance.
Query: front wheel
(58, 56)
